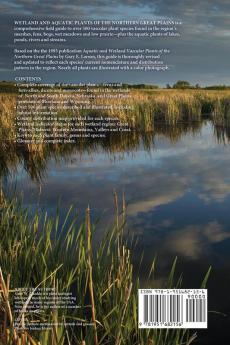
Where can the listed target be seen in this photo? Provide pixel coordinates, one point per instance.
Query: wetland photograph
(114, 172)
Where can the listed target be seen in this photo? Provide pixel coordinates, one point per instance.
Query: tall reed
(43, 251)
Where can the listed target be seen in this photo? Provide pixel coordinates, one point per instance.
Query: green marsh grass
(43, 251)
(168, 112)
(145, 109)
(62, 254)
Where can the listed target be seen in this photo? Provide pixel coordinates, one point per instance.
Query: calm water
(177, 188)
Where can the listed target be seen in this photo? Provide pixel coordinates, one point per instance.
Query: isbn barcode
(172, 308)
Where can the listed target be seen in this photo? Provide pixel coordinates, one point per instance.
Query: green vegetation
(218, 87)
(45, 251)
(140, 86)
(182, 84)
(9, 86)
(145, 107)
(169, 112)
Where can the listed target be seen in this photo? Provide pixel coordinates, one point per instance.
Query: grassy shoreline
(145, 106)
(63, 254)
(171, 113)
(146, 109)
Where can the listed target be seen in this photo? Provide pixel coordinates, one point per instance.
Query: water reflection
(177, 186)
(35, 160)
(175, 176)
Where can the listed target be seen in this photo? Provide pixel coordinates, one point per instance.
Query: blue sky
(200, 55)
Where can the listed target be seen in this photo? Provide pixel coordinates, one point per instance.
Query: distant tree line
(217, 87)
(9, 86)
(140, 86)
(184, 84)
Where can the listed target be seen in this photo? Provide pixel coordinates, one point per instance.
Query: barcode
(175, 308)
(195, 310)
(162, 308)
